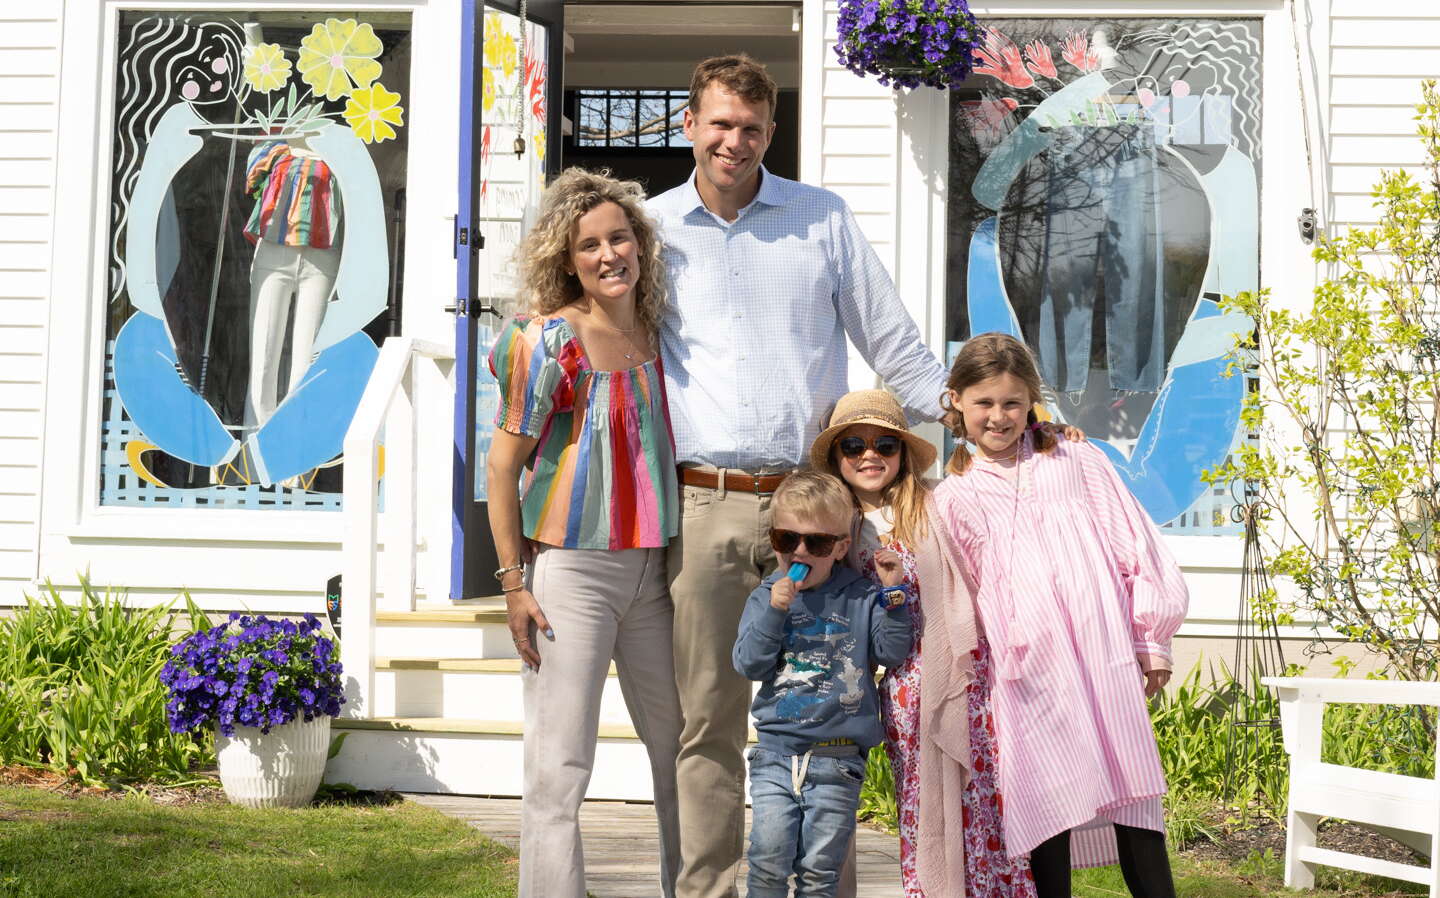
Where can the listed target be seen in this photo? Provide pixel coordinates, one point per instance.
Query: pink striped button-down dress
(1075, 581)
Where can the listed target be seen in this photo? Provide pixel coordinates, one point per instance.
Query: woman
(583, 409)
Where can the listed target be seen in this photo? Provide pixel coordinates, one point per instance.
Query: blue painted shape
(1160, 112)
(992, 182)
(986, 302)
(1218, 114)
(362, 281)
(1234, 195)
(170, 147)
(1185, 113)
(1192, 424)
(167, 244)
(170, 414)
(308, 429)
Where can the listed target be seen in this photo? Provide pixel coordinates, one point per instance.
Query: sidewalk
(621, 848)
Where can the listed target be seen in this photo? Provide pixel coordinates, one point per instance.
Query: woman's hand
(526, 622)
(889, 568)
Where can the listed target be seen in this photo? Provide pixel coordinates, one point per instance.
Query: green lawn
(1258, 877)
(53, 846)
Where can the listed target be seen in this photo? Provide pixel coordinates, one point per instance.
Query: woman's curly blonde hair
(545, 251)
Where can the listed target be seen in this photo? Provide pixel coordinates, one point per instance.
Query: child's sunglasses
(787, 541)
(886, 446)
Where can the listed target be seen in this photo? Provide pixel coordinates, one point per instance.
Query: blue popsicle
(798, 571)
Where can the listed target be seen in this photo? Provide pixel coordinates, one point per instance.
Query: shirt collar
(773, 192)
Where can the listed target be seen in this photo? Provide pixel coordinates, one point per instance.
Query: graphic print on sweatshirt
(816, 668)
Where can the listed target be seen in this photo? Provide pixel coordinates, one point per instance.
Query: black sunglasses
(787, 541)
(886, 446)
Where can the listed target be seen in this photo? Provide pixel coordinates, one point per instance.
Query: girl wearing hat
(949, 842)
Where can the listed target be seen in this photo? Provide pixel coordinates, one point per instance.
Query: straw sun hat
(877, 407)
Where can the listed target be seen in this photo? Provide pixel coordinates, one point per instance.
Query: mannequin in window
(295, 226)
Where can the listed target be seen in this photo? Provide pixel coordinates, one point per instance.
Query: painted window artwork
(258, 174)
(1103, 196)
(513, 114)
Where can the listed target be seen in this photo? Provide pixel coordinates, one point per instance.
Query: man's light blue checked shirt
(754, 340)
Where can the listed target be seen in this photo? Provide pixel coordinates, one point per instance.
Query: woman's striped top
(603, 473)
(296, 203)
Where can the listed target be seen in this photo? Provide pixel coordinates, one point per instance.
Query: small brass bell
(519, 147)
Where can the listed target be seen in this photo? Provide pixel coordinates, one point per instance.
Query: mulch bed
(206, 792)
(1240, 841)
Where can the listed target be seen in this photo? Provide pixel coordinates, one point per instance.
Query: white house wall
(29, 93)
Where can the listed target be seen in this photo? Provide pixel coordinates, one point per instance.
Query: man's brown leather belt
(738, 481)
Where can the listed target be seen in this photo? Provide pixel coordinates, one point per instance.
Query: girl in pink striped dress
(1078, 599)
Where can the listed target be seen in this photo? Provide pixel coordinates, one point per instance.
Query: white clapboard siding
(1378, 53)
(29, 89)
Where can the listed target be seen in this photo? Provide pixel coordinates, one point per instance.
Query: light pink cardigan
(947, 598)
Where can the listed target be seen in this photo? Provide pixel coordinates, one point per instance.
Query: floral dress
(989, 873)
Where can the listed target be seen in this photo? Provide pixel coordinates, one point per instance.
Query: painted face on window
(207, 76)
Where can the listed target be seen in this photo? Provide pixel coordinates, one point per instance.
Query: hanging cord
(520, 85)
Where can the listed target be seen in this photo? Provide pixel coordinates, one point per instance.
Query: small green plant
(877, 793)
(80, 691)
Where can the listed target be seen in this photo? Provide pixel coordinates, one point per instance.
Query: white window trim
(70, 504)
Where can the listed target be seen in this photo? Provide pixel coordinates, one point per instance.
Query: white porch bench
(1405, 808)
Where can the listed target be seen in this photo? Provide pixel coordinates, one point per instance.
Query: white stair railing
(388, 405)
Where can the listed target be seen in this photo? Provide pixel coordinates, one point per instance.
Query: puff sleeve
(1158, 594)
(534, 362)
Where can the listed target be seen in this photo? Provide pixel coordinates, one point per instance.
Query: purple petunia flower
(251, 671)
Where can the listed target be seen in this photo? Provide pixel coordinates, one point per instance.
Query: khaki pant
(601, 605)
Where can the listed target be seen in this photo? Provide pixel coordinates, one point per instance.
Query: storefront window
(1104, 195)
(259, 164)
(513, 139)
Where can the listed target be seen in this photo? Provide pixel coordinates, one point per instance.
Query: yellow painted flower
(372, 110)
(266, 68)
(499, 49)
(487, 90)
(338, 56)
(539, 141)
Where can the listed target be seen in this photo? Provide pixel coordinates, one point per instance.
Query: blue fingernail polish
(549, 634)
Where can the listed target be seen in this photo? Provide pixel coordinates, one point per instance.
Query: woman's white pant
(601, 605)
(280, 275)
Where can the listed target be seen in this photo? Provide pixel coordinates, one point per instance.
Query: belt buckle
(756, 478)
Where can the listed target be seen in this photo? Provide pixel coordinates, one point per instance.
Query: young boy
(813, 645)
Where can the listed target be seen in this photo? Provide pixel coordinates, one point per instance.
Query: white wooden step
(475, 630)
(468, 688)
(472, 757)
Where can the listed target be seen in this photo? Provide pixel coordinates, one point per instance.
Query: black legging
(1143, 862)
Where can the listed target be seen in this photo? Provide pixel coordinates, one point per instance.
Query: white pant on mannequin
(279, 274)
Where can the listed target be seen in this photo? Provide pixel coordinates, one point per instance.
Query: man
(767, 277)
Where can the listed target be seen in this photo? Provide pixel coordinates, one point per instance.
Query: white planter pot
(279, 769)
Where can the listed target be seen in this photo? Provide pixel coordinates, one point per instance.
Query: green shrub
(80, 691)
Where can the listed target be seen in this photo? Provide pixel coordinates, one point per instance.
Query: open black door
(510, 113)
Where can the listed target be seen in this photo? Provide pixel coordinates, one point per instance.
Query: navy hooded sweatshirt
(815, 661)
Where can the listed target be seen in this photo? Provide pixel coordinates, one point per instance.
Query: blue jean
(807, 833)
(1103, 223)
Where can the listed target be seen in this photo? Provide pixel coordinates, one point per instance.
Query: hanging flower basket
(907, 43)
